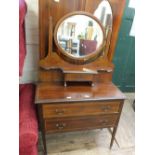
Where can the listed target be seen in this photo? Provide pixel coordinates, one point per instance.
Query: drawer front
(78, 77)
(80, 109)
(80, 123)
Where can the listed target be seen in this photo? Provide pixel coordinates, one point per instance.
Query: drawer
(80, 109)
(78, 77)
(80, 123)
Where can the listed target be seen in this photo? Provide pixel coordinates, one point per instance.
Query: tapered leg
(41, 122)
(44, 143)
(113, 137)
(116, 125)
(111, 132)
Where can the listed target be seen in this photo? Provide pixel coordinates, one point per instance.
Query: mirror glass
(80, 35)
(104, 14)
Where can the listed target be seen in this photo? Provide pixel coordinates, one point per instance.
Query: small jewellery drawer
(80, 109)
(80, 123)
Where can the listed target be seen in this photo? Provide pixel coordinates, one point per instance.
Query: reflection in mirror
(80, 35)
(104, 14)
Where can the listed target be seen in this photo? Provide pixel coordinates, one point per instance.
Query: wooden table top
(56, 92)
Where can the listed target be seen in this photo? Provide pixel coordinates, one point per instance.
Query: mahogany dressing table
(78, 94)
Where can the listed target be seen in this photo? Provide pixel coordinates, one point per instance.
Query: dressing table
(75, 90)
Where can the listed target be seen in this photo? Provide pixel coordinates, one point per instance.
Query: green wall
(124, 58)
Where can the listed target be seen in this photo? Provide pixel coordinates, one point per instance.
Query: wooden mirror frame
(82, 59)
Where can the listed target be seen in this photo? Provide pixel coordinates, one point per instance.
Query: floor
(96, 142)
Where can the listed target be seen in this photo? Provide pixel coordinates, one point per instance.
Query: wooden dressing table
(76, 92)
(74, 108)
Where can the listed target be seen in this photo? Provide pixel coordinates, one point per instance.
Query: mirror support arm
(50, 38)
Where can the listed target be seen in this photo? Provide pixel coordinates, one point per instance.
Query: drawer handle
(60, 126)
(59, 111)
(106, 108)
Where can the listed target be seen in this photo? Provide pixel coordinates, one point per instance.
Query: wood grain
(78, 106)
(80, 109)
(80, 123)
(96, 142)
(56, 93)
(58, 10)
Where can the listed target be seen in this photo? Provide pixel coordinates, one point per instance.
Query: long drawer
(80, 123)
(80, 109)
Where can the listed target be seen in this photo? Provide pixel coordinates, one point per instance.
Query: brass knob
(60, 111)
(60, 126)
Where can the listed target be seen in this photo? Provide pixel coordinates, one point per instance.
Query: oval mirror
(79, 36)
(104, 14)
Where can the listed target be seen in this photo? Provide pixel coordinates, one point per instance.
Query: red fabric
(28, 125)
(22, 47)
(30, 151)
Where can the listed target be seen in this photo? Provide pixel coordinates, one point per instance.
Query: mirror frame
(82, 59)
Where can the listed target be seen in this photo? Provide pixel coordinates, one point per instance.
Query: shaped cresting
(80, 35)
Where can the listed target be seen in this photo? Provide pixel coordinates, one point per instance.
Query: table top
(56, 92)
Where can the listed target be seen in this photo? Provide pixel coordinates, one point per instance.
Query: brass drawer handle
(60, 126)
(59, 111)
(106, 108)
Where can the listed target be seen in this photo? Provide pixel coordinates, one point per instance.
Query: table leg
(44, 143)
(41, 122)
(111, 132)
(113, 137)
(116, 125)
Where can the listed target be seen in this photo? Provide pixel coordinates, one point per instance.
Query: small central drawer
(78, 77)
(80, 123)
(80, 109)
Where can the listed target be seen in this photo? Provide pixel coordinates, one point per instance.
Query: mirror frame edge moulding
(83, 59)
